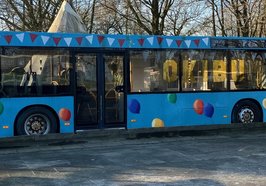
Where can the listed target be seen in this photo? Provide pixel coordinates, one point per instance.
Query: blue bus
(61, 82)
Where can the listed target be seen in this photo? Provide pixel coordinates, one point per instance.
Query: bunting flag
(188, 42)
(141, 41)
(8, 38)
(56, 40)
(115, 41)
(68, 40)
(20, 37)
(79, 40)
(196, 41)
(89, 38)
(206, 41)
(33, 37)
(121, 42)
(45, 39)
(150, 39)
(178, 42)
(160, 40)
(100, 39)
(169, 42)
(110, 41)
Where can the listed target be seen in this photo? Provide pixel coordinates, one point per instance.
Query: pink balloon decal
(198, 106)
(134, 106)
(208, 110)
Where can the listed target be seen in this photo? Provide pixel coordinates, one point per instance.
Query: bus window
(31, 72)
(154, 71)
(248, 69)
(203, 71)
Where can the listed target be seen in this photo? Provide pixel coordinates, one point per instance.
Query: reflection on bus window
(203, 71)
(248, 70)
(32, 72)
(154, 71)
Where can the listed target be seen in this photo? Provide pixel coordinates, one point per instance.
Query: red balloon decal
(64, 114)
(198, 106)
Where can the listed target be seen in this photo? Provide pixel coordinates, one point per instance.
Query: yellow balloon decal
(157, 123)
(264, 103)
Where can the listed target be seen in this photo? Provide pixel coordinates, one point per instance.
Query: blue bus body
(182, 111)
(12, 107)
(142, 109)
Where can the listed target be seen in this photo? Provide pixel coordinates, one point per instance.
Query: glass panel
(35, 72)
(203, 71)
(154, 71)
(248, 69)
(86, 88)
(114, 81)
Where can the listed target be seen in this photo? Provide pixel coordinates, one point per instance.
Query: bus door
(99, 90)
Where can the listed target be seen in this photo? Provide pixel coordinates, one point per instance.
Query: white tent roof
(67, 20)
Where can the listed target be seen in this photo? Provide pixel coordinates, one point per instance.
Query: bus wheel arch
(247, 111)
(37, 116)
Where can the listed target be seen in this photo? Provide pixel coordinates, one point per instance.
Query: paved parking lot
(231, 158)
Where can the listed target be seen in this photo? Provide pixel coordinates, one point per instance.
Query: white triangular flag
(68, 40)
(20, 37)
(206, 41)
(110, 40)
(45, 39)
(188, 42)
(150, 39)
(89, 38)
(169, 42)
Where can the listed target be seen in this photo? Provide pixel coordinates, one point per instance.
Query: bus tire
(246, 112)
(36, 121)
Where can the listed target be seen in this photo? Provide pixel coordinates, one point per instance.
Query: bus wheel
(246, 112)
(36, 121)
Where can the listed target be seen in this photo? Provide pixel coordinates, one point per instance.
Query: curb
(107, 134)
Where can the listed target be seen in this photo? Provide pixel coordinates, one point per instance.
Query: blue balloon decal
(134, 106)
(208, 110)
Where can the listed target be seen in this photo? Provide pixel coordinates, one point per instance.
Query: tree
(150, 15)
(186, 17)
(33, 15)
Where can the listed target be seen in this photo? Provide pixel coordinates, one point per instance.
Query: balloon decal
(171, 98)
(134, 106)
(208, 110)
(1, 108)
(157, 123)
(200, 108)
(65, 114)
(264, 103)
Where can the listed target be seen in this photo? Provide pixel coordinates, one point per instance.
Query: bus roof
(44, 39)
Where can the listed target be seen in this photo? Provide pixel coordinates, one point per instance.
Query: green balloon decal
(171, 98)
(1, 108)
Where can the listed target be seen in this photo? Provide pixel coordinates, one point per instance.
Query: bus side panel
(185, 109)
(62, 106)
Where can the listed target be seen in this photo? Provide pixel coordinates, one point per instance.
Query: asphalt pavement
(214, 158)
